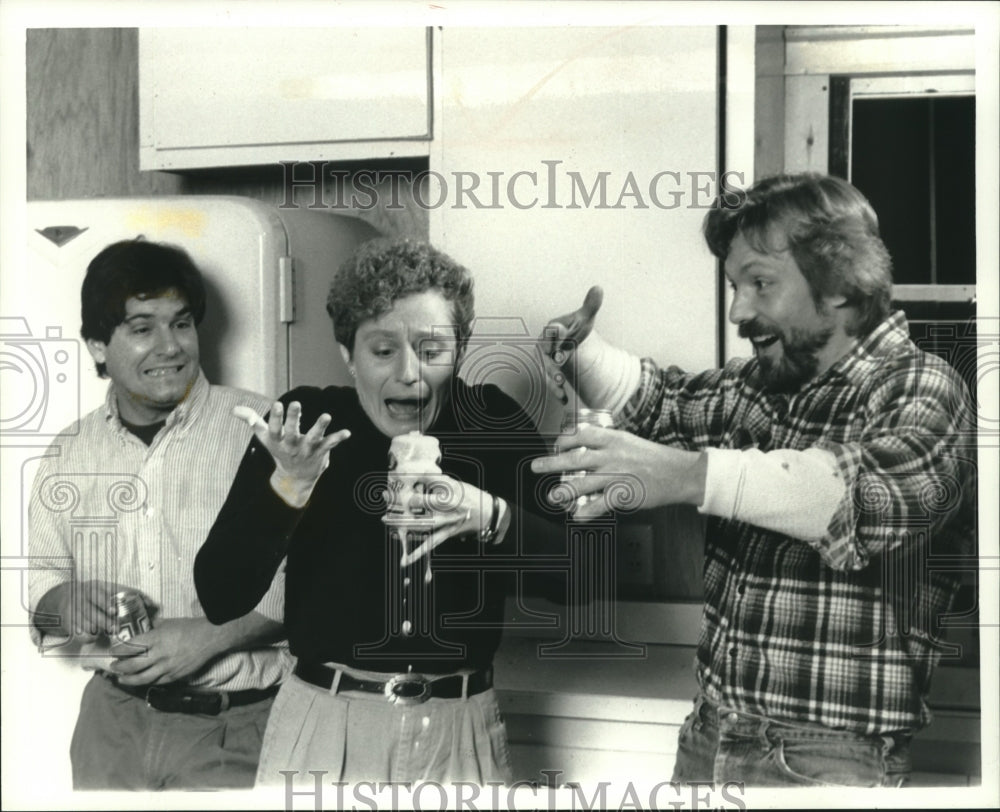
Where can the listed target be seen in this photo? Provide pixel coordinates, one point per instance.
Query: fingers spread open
(276, 419)
(315, 434)
(331, 441)
(292, 426)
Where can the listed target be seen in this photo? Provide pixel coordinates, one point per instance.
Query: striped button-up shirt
(839, 630)
(107, 507)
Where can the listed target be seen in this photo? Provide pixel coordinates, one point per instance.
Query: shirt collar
(890, 335)
(185, 413)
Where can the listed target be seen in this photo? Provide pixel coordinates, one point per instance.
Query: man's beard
(798, 361)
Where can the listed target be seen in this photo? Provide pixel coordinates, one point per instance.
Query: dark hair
(384, 270)
(831, 230)
(140, 269)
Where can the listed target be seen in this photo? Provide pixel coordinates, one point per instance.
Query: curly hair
(140, 269)
(831, 230)
(384, 270)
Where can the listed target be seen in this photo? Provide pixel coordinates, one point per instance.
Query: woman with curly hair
(394, 646)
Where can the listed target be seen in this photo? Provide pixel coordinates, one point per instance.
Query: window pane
(889, 164)
(914, 158)
(955, 190)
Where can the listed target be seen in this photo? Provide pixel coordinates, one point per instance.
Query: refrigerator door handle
(286, 290)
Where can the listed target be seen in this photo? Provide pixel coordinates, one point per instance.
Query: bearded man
(833, 466)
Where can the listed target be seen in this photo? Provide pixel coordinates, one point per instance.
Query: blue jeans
(718, 745)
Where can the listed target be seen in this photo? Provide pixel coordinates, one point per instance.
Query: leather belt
(402, 689)
(178, 699)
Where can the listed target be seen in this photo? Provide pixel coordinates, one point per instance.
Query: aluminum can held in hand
(588, 417)
(584, 417)
(131, 617)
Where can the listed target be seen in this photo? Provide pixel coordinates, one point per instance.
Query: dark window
(914, 159)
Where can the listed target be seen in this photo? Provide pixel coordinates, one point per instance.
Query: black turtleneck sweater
(346, 596)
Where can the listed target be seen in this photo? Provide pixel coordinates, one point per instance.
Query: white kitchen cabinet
(211, 97)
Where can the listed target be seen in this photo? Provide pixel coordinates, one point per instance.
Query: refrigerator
(267, 272)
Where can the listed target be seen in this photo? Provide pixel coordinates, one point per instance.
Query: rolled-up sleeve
(794, 493)
(912, 469)
(678, 408)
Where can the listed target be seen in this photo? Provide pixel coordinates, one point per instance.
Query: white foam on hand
(249, 415)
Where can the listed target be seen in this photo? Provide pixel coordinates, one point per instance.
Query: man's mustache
(752, 329)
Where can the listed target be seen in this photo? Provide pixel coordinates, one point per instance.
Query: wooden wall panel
(82, 116)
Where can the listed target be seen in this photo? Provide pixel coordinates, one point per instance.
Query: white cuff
(790, 492)
(606, 375)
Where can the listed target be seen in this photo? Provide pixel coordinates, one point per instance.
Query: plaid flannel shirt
(839, 631)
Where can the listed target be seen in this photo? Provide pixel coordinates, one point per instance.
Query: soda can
(588, 417)
(584, 417)
(131, 617)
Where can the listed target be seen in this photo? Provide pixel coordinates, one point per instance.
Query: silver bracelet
(489, 535)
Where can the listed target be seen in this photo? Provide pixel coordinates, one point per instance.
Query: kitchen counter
(594, 717)
(598, 717)
(658, 687)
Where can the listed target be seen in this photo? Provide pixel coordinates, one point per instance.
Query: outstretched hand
(565, 333)
(562, 337)
(629, 472)
(300, 459)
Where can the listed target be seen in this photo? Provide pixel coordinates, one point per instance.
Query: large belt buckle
(407, 689)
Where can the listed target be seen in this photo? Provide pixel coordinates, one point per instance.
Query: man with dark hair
(114, 274)
(832, 465)
(184, 704)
